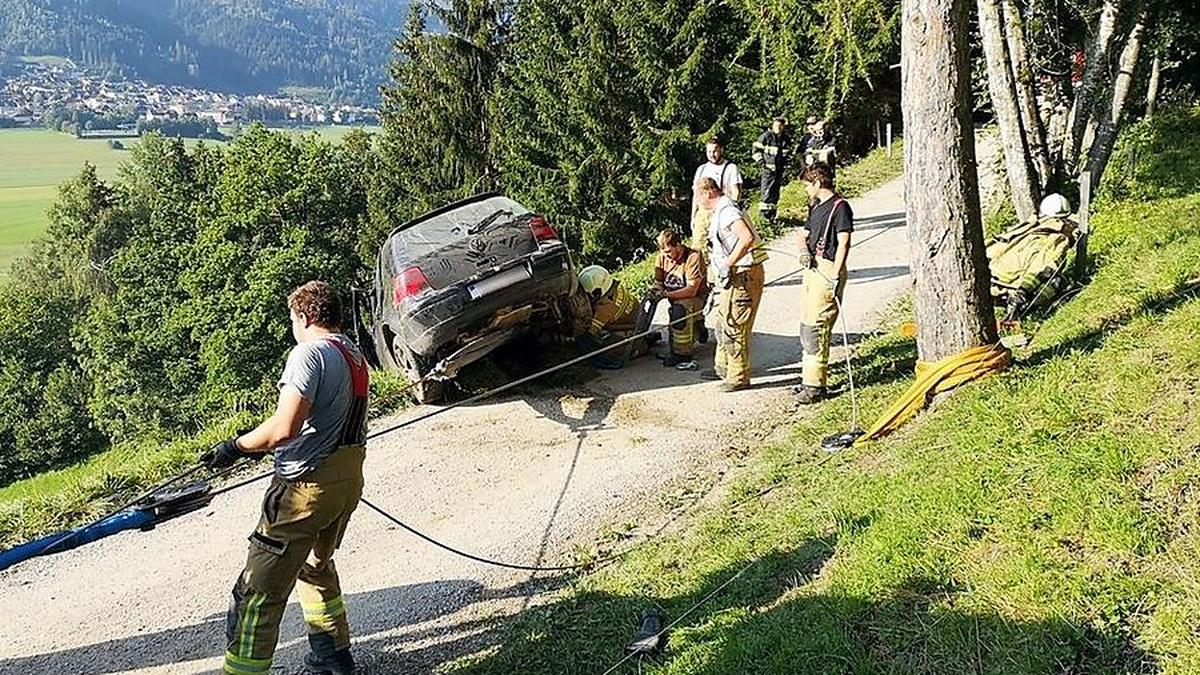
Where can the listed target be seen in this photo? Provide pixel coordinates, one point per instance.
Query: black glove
(225, 454)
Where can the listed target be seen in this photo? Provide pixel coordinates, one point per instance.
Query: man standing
(679, 278)
(318, 435)
(772, 151)
(728, 179)
(830, 222)
(737, 259)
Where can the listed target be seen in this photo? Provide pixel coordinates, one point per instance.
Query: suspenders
(354, 430)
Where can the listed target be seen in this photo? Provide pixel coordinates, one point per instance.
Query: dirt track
(521, 478)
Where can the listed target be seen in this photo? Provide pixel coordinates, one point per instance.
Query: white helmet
(1054, 206)
(593, 278)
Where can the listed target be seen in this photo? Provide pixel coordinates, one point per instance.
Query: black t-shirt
(821, 225)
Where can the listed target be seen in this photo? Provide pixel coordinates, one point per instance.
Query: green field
(33, 162)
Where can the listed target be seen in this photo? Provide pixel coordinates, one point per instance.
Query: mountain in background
(243, 46)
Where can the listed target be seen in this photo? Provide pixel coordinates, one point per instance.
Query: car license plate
(498, 281)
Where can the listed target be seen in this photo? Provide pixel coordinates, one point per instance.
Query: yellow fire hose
(934, 378)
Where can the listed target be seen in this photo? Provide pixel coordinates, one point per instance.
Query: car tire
(425, 391)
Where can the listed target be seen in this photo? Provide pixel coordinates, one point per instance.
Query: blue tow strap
(69, 539)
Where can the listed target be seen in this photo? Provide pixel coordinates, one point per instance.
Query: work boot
(674, 359)
(730, 387)
(340, 662)
(806, 395)
(702, 335)
(711, 374)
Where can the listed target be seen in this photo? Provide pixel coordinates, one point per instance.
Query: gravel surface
(524, 479)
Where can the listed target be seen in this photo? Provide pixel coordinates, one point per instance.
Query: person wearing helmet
(616, 315)
(1027, 261)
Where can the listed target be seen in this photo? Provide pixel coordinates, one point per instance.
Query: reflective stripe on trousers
(737, 307)
(301, 525)
(818, 313)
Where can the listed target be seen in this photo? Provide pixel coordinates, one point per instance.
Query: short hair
(819, 173)
(715, 141)
(318, 302)
(781, 120)
(668, 238)
(708, 186)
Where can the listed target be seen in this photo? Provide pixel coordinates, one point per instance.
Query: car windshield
(429, 236)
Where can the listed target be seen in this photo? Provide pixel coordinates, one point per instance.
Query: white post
(889, 138)
(1085, 202)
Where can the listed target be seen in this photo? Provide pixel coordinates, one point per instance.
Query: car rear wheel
(415, 368)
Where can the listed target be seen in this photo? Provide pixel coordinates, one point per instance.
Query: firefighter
(737, 258)
(679, 278)
(817, 145)
(616, 315)
(772, 151)
(1026, 261)
(727, 177)
(830, 222)
(317, 434)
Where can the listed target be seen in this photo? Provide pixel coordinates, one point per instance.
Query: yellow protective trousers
(302, 523)
(685, 321)
(737, 308)
(818, 313)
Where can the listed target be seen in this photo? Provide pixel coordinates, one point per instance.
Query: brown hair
(708, 186)
(668, 238)
(715, 141)
(819, 173)
(318, 302)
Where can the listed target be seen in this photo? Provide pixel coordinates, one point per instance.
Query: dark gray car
(456, 283)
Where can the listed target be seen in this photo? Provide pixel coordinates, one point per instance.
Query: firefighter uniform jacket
(614, 312)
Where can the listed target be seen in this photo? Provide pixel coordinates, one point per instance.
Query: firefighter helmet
(595, 278)
(1054, 206)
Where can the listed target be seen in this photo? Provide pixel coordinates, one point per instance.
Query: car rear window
(428, 236)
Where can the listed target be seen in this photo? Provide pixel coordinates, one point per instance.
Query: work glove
(225, 454)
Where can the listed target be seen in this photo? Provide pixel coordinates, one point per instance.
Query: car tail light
(408, 283)
(541, 229)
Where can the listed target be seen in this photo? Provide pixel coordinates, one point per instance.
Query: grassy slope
(1040, 521)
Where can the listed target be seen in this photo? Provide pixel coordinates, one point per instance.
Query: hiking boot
(730, 387)
(337, 663)
(806, 395)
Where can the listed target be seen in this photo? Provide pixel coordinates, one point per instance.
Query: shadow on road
(370, 612)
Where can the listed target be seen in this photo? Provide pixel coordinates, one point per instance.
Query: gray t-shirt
(320, 373)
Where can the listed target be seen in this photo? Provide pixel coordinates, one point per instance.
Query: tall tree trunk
(953, 307)
(1110, 124)
(1095, 73)
(1152, 87)
(1025, 189)
(1031, 120)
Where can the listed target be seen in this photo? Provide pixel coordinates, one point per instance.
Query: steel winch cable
(410, 422)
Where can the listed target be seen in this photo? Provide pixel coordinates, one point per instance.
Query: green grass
(36, 161)
(1041, 521)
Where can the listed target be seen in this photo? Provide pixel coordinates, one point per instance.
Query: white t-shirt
(724, 240)
(725, 174)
